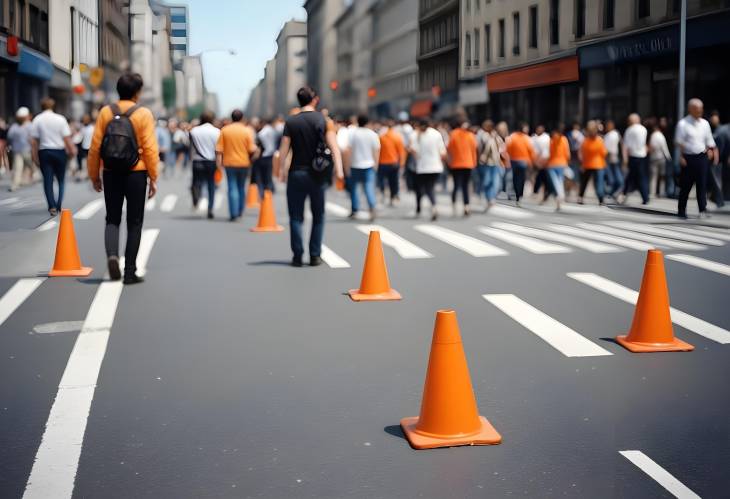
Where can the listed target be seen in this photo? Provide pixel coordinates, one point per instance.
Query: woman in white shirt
(429, 149)
(658, 156)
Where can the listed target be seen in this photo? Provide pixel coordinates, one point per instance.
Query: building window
(501, 38)
(642, 9)
(516, 33)
(609, 10)
(179, 33)
(477, 44)
(554, 22)
(467, 50)
(533, 27)
(487, 43)
(580, 18)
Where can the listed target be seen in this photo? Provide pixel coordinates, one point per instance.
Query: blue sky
(247, 26)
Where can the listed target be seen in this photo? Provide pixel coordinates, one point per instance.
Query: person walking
(541, 144)
(181, 146)
(429, 150)
(204, 139)
(234, 150)
(164, 142)
(462, 155)
(51, 148)
(694, 138)
(614, 174)
(522, 155)
(491, 150)
(19, 139)
(392, 158)
(593, 162)
(659, 156)
(268, 140)
(634, 155)
(558, 161)
(307, 135)
(122, 161)
(364, 154)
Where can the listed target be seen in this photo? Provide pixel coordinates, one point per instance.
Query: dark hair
(362, 119)
(423, 123)
(206, 117)
(129, 85)
(48, 103)
(306, 95)
(236, 115)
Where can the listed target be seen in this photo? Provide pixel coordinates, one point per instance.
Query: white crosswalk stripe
(530, 244)
(659, 474)
(7, 201)
(16, 295)
(592, 246)
(664, 232)
(218, 203)
(403, 247)
(616, 240)
(47, 225)
(470, 245)
(701, 263)
(89, 210)
(332, 259)
(501, 210)
(696, 232)
(689, 322)
(150, 205)
(556, 334)
(714, 230)
(203, 205)
(660, 242)
(336, 210)
(168, 203)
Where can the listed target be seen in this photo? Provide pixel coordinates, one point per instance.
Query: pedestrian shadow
(395, 430)
(270, 263)
(93, 281)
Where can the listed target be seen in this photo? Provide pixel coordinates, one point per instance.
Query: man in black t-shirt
(302, 133)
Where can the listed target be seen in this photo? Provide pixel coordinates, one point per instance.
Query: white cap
(22, 112)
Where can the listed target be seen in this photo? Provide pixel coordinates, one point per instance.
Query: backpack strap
(115, 109)
(131, 110)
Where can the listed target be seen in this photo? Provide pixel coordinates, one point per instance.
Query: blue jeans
(672, 169)
(236, 178)
(366, 177)
(491, 180)
(556, 176)
(614, 178)
(301, 185)
(53, 164)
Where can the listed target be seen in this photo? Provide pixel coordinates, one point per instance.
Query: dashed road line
(149, 237)
(659, 241)
(606, 238)
(168, 203)
(332, 259)
(89, 209)
(701, 263)
(403, 247)
(591, 246)
(527, 243)
(659, 474)
(658, 231)
(471, 245)
(16, 295)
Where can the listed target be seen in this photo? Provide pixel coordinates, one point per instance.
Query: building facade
(291, 63)
(114, 34)
(322, 46)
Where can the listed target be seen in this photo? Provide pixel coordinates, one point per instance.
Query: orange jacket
(519, 148)
(594, 153)
(462, 149)
(559, 152)
(392, 150)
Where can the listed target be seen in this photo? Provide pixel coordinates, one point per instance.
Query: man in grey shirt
(19, 139)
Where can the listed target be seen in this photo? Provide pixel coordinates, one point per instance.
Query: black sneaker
(315, 261)
(296, 261)
(133, 279)
(112, 264)
(210, 216)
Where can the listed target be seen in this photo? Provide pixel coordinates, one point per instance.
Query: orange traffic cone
(267, 216)
(449, 414)
(374, 285)
(252, 196)
(67, 262)
(651, 329)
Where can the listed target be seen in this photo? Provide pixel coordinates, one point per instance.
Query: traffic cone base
(676, 345)
(389, 295)
(275, 228)
(487, 435)
(82, 272)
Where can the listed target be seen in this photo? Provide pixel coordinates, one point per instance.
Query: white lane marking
(56, 463)
(713, 229)
(617, 240)
(658, 231)
(16, 295)
(403, 247)
(149, 236)
(12, 200)
(659, 474)
(509, 212)
(591, 246)
(471, 245)
(150, 205)
(332, 259)
(89, 209)
(336, 210)
(58, 327)
(701, 263)
(695, 232)
(168, 203)
(556, 334)
(203, 204)
(527, 243)
(47, 225)
(659, 241)
(689, 322)
(218, 203)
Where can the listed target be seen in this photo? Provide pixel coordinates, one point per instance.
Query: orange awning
(538, 75)
(421, 108)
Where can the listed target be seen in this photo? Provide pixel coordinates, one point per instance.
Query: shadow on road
(265, 263)
(395, 430)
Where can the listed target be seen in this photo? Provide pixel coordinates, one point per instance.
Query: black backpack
(119, 148)
(322, 163)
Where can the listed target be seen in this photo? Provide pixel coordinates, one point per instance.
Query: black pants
(638, 177)
(425, 183)
(461, 183)
(694, 173)
(540, 179)
(131, 186)
(261, 174)
(203, 173)
(389, 174)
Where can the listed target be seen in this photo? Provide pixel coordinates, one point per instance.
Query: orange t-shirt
(519, 147)
(462, 149)
(392, 150)
(594, 153)
(236, 143)
(559, 152)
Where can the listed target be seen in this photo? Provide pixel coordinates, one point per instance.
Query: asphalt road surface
(229, 373)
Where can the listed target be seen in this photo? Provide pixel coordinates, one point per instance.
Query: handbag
(322, 162)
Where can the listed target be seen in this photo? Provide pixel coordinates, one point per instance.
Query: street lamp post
(681, 79)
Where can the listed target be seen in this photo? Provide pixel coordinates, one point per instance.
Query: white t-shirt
(49, 129)
(406, 131)
(635, 141)
(204, 138)
(611, 140)
(268, 137)
(87, 135)
(430, 147)
(541, 143)
(364, 145)
(694, 136)
(343, 138)
(658, 146)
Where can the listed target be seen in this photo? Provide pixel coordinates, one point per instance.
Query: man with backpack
(122, 159)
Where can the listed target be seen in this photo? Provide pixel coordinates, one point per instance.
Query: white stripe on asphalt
(527, 243)
(12, 200)
(556, 334)
(509, 212)
(467, 244)
(16, 295)
(336, 210)
(203, 204)
(695, 232)
(713, 229)
(150, 205)
(149, 236)
(617, 240)
(332, 259)
(658, 231)
(218, 203)
(403, 247)
(689, 322)
(89, 210)
(701, 263)
(168, 203)
(659, 474)
(659, 241)
(56, 463)
(47, 225)
(591, 246)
